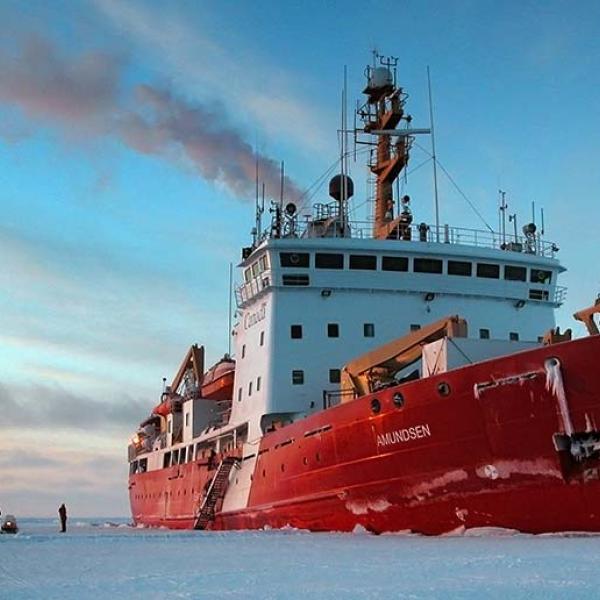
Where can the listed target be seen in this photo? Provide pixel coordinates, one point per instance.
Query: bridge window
(363, 261)
(484, 334)
(540, 276)
(459, 267)
(297, 377)
(538, 294)
(255, 269)
(264, 263)
(294, 259)
(488, 270)
(369, 330)
(515, 273)
(166, 459)
(329, 261)
(296, 280)
(333, 330)
(334, 375)
(394, 263)
(247, 275)
(296, 332)
(427, 265)
(513, 336)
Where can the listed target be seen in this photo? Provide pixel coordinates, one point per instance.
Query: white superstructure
(309, 305)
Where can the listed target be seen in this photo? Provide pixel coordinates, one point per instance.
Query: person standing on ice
(62, 513)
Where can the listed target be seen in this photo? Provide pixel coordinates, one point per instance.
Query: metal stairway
(216, 491)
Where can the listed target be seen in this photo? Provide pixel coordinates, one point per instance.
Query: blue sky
(126, 139)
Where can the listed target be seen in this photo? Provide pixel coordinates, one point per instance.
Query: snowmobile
(9, 525)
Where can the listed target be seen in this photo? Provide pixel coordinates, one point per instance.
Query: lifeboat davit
(217, 383)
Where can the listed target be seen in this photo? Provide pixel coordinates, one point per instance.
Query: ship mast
(381, 113)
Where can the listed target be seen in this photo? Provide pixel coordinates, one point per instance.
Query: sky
(129, 134)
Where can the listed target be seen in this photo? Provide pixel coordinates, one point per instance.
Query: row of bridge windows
(368, 262)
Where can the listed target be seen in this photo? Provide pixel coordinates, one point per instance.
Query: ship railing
(560, 294)
(424, 232)
(248, 290)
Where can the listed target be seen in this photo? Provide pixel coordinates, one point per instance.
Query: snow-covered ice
(106, 559)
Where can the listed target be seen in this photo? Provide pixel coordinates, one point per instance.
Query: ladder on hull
(216, 491)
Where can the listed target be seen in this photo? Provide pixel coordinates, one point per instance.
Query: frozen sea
(105, 558)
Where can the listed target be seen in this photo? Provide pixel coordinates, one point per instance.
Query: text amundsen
(403, 435)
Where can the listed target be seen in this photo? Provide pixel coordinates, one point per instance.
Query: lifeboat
(163, 409)
(217, 383)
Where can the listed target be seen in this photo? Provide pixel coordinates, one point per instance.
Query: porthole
(443, 389)
(375, 405)
(398, 400)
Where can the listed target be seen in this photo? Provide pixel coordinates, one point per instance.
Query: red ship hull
(478, 451)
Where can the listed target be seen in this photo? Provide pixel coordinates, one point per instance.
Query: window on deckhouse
(540, 276)
(512, 273)
(488, 270)
(427, 265)
(329, 261)
(394, 263)
(334, 375)
(363, 262)
(294, 259)
(369, 330)
(459, 267)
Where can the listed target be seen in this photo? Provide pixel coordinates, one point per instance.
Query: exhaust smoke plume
(83, 96)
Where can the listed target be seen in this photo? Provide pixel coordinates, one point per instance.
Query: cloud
(26, 459)
(83, 95)
(38, 406)
(90, 481)
(66, 299)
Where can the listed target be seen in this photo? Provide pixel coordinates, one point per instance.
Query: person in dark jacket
(62, 513)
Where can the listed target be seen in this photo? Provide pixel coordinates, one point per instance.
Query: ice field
(108, 559)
